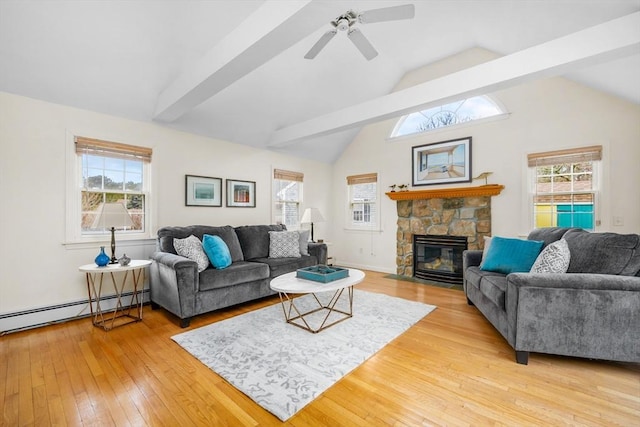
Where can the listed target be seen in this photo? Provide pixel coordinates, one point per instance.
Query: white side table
(121, 315)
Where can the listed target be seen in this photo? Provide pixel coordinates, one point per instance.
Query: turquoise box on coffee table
(322, 273)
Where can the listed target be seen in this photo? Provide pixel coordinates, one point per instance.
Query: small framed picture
(241, 194)
(442, 162)
(203, 191)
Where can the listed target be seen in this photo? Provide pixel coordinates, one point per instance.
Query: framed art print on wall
(442, 162)
(241, 194)
(203, 191)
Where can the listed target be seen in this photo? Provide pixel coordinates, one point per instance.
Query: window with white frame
(113, 187)
(565, 187)
(446, 115)
(287, 197)
(363, 201)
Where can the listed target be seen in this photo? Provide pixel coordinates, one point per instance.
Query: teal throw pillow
(507, 255)
(217, 251)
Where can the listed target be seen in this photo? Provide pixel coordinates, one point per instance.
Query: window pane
(466, 110)
(103, 201)
(563, 196)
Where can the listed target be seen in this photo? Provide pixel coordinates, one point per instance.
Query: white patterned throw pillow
(191, 248)
(553, 259)
(284, 244)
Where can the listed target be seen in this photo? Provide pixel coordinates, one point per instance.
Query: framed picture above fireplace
(441, 162)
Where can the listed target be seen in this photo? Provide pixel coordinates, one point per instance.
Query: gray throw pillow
(304, 242)
(191, 248)
(284, 244)
(554, 258)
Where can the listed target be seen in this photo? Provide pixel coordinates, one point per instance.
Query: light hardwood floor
(451, 368)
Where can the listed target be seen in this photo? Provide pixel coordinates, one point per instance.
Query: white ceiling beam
(611, 40)
(272, 28)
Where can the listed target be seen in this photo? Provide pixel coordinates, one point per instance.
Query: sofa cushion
(494, 288)
(473, 276)
(284, 244)
(254, 239)
(304, 242)
(217, 251)
(236, 273)
(226, 233)
(604, 253)
(191, 247)
(549, 234)
(553, 259)
(279, 266)
(506, 255)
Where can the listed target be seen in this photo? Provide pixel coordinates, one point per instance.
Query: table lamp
(310, 216)
(116, 217)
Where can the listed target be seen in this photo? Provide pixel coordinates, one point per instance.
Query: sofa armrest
(471, 258)
(174, 282)
(319, 250)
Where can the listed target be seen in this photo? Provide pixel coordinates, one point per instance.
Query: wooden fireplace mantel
(447, 193)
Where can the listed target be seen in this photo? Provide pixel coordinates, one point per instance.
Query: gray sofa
(592, 311)
(176, 285)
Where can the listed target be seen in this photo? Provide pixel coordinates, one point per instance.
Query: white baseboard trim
(43, 316)
(366, 267)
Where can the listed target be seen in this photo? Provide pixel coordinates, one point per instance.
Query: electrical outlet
(618, 220)
(361, 250)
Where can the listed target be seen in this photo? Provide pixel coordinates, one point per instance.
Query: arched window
(454, 113)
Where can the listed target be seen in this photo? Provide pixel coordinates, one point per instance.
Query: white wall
(36, 268)
(545, 115)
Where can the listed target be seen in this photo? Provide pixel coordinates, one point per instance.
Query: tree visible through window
(113, 188)
(565, 190)
(453, 113)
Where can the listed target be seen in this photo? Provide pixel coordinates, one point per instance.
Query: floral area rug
(282, 367)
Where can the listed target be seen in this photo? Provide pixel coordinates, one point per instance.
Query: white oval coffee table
(290, 287)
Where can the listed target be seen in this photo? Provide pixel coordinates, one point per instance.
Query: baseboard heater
(44, 316)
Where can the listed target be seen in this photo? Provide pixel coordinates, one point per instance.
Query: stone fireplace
(463, 212)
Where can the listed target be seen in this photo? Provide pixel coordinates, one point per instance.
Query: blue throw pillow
(217, 251)
(511, 255)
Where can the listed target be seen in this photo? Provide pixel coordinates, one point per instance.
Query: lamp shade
(311, 215)
(112, 215)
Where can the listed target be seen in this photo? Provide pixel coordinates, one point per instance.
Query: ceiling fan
(346, 22)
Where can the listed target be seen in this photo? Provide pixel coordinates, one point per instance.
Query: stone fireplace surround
(462, 211)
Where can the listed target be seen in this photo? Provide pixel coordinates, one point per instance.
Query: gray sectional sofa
(177, 286)
(591, 311)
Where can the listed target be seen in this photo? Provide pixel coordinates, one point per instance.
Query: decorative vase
(124, 260)
(102, 259)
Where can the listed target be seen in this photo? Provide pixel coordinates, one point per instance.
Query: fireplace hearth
(438, 258)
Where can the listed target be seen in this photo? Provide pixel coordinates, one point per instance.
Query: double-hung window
(363, 201)
(565, 187)
(287, 197)
(113, 187)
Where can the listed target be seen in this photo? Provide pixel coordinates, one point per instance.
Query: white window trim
(376, 228)
(503, 116)
(73, 232)
(599, 181)
(273, 201)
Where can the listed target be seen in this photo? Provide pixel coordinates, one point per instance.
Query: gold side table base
(121, 315)
(295, 317)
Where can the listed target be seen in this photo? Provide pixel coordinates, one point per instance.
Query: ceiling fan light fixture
(342, 24)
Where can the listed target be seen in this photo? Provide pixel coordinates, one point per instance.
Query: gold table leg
(292, 313)
(105, 319)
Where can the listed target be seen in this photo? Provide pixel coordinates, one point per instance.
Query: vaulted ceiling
(235, 70)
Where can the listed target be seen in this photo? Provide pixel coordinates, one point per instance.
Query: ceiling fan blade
(326, 37)
(392, 13)
(362, 44)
